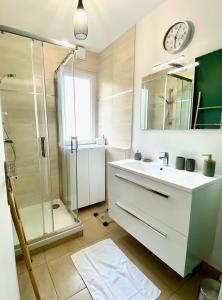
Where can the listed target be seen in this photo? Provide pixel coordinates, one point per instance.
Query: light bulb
(80, 22)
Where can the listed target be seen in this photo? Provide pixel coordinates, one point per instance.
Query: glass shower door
(68, 144)
(39, 86)
(25, 130)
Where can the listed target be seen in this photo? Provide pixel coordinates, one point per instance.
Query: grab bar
(142, 186)
(153, 228)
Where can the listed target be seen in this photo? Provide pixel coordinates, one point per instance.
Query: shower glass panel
(152, 103)
(68, 145)
(25, 127)
(43, 136)
(179, 104)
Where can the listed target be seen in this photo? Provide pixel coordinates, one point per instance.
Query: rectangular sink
(180, 178)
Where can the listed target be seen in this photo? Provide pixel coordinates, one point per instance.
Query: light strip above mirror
(184, 68)
(168, 63)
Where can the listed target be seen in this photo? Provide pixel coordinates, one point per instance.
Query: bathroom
(58, 150)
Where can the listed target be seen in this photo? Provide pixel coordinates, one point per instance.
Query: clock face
(177, 37)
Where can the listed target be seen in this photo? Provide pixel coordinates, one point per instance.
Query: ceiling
(108, 19)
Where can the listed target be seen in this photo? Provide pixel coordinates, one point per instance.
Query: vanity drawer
(163, 241)
(167, 204)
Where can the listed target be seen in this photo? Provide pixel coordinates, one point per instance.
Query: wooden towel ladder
(21, 236)
(199, 109)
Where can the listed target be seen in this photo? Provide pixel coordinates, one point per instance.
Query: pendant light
(80, 22)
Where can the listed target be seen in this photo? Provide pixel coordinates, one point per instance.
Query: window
(80, 118)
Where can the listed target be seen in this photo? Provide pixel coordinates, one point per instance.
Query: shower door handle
(74, 138)
(43, 146)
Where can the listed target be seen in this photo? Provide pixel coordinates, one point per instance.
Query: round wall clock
(178, 37)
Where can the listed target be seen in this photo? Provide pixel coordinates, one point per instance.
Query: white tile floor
(58, 279)
(32, 219)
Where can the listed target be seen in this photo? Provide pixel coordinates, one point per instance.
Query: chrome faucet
(165, 158)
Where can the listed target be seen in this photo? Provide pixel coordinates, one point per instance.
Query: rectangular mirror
(184, 98)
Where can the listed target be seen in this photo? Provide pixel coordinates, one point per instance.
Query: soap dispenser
(209, 166)
(138, 155)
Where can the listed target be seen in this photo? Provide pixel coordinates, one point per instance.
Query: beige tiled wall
(115, 90)
(90, 64)
(115, 87)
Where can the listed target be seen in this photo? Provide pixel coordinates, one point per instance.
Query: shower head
(10, 75)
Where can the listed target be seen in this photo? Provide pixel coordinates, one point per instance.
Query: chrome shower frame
(33, 36)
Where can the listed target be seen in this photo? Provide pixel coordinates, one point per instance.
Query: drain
(55, 206)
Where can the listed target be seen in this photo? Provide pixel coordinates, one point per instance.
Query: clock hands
(175, 38)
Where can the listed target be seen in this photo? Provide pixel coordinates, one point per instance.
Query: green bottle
(209, 166)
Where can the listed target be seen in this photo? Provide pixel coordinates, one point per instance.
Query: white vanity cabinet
(174, 221)
(91, 174)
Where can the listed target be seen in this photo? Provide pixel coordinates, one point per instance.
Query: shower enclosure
(44, 185)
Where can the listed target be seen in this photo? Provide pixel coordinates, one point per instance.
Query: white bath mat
(110, 275)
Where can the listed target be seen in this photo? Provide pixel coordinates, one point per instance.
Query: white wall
(206, 16)
(8, 276)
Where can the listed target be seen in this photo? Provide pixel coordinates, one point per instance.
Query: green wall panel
(208, 80)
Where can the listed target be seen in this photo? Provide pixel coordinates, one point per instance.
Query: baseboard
(209, 270)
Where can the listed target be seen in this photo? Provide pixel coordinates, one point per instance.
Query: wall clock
(178, 37)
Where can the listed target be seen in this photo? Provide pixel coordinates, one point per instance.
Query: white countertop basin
(180, 178)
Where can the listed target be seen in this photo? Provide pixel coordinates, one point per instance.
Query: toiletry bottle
(138, 155)
(209, 166)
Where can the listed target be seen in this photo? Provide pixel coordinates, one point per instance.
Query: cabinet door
(97, 174)
(161, 201)
(83, 177)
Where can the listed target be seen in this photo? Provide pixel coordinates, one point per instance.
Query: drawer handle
(153, 228)
(142, 186)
